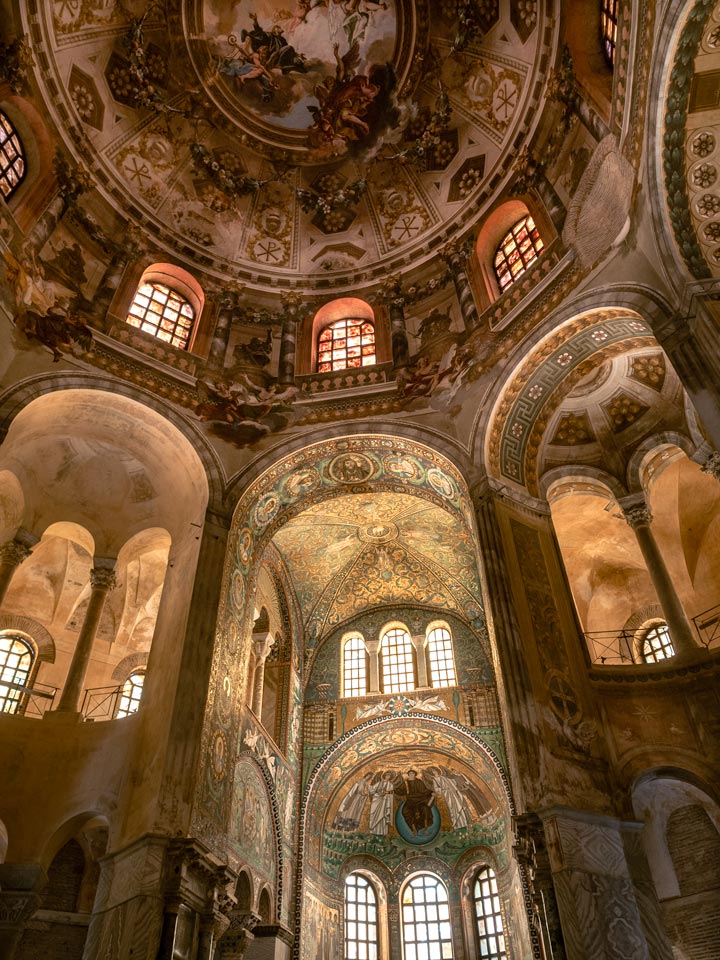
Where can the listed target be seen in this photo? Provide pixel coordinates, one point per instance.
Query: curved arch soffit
(388, 734)
(537, 384)
(22, 394)
(637, 465)
(43, 640)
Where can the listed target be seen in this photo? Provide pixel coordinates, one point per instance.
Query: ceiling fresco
(267, 140)
(352, 553)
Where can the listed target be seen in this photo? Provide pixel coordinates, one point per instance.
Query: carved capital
(455, 252)
(262, 645)
(712, 465)
(13, 553)
(16, 907)
(637, 516)
(102, 578)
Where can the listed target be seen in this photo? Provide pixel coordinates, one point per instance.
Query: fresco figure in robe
(445, 787)
(351, 809)
(382, 801)
(418, 798)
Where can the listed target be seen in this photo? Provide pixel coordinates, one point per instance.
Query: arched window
(162, 311)
(12, 158)
(608, 28)
(355, 659)
(361, 919)
(131, 694)
(656, 644)
(488, 918)
(440, 655)
(426, 919)
(16, 660)
(346, 344)
(518, 249)
(398, 666)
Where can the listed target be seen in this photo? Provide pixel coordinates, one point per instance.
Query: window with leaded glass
(657, 645)
(163, 312)
(346, 344)
(16, 660)
(398, 666)
(354, 667)
(131, 694)
(12, 158)
(609, 28)
(426, 919)
(518, 249)
(440, 656)
(361, 919)
(488, 917)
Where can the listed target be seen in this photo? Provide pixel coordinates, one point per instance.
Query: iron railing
(31, 701)
(101, 703)
(611, 646)
(707, 625)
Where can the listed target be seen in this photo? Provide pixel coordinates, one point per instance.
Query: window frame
(373, 946)
(172, 291)
(609, 19)
(501, 262)
(7, 163)
(347, 322)
(19, 701)
(416, 921)
(394, 688)
(348, 639)
(430, 643)
(647, 651)
(481, 898)
(120, 711)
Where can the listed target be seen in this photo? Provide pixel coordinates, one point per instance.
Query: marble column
(373, 649)
(530, 851)
(227, 303)
(598, 903)
(422, 667)
(288, 340)
(262, 644)
(12, 554)
(102, 580)
(455, 256)
(638, 517)
(521, 723)
(46, 223)
(398, 332)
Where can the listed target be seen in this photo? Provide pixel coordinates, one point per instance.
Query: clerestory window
(517, 250)
(488, 917)
(609, 28)
(656, 644)
(361, 919)
(131, 694)
(16, 660)
(440, 656)
(12, 158)
(345, 345)
(426, 919)
(398, 664)
(162, 311)
(355, 659)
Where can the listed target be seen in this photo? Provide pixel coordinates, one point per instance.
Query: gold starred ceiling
(279, 139)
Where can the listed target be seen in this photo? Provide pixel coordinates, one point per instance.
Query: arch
(398, 667)
(439, 649)
(167, 291)
(265, 905)
(334, 312)
(489, 925)
(354, 664)
(17, 665)
(639, 477)
(425, 915)
(12, 505)
(74, 532)
(13, 161)
(244, 891)
(128, 664)
(490, 240)
(37, 183)
(41, 638)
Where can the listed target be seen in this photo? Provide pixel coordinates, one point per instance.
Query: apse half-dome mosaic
(265, 139)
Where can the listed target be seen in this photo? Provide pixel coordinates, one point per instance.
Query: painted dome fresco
(277, 139)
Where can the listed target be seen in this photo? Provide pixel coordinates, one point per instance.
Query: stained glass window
(16, 659)
(488, 918)
(12, 158)
(608, 28)
(354, 668)
(440, 655)
(518, 249)
(346, 344)
(426, 919)
(398, 668)
(657, 644)
(361, 919)
(131, 694)
(163, 312)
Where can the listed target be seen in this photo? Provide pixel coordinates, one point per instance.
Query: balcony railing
(611, 646)
(101, 703)
(707, 625)
(31, 701)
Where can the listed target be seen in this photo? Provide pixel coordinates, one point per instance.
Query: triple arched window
(345, 345)
(12, 158)
(16, 662)
(520, 246)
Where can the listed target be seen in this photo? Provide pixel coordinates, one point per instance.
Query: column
(12, 554)
(597, 899)
(262, 644)
(128, 248)
(71, 183)
(638, 516)
(692, 346)
(288, 340)
(102, 580)
(373, 649)
(520, 723)
(530, 851)
(227, 303)
(421, 660)
(455, 255)
(19, 899)
(398, 331)
(239, 935)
